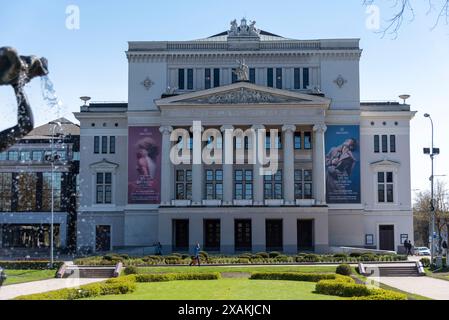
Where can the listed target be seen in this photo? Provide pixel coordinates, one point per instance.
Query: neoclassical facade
(342, 175)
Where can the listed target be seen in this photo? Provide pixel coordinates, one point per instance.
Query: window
(37, 155)
(26, 192)
(104, 144)
(216, 77)
(384, 143)
(308, 140)
(273, 235)
(181, 79)
(376, 144)
(303, 184)
(243, 235)
(298, 141)
(104, 188)
(214, 184)
(25, 156)
(96, 144)
(270, 77)
(13, 155)
(189, 143)
(189, 79)
(305, 78)
(252, 75)
(207, 79)
(183, 184)
(233, 75)
(243, 184)
(3, 156)
(297, 78)
(279, 78)
(212, 235)
(273, 186)
(46, 191)
(393, 143)
(180, 234)
(5, 191)
(385, 187)
(268, 141)
(112, 144)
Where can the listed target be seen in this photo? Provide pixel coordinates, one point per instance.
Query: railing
(118, 269)
(61, 272)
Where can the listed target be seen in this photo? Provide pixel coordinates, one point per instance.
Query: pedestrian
(407, 247)
(410, 247)
(196, 257)
(159, 249)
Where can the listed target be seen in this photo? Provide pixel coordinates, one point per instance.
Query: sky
(90, 60)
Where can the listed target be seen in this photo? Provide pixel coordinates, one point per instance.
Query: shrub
(344, 270)
(29, 265)
(177, 255)
(204, 254)
(425, 262)
(355, 254)
(274, 254)
(381, 294)
(151, 277)
(367, 257)
(282, 258)
(340, 255)
(294, 276)
(185, 256)
(311, 257)
(263, 255)
(243, 260)
(131, 270)
(341, 289)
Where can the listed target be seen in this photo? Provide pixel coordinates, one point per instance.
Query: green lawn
(223, 289)
(21, 276)
(248, 269)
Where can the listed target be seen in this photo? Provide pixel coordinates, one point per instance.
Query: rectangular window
(308, 140)
(207, 79)
(279, 78)
(180, 234)
(104, 188)
(212, 235)
(3, 156)
(214, 184)
(385, 187)
(13, 155)
(297, 78)
(181, 79)
(112, 144)
(243, 184)
(270, 77)
(252, 75)
(393, 143)
(25, 156)
(273, 186)
(104, 144)
(273, 234)
(26, 192)
(305, 78)
(5, 191)
(298, 140)
(96, 144)
(46, 191)
(376, 143)
(189, 79)
(183, 184)
(384, 143)
(243, 235)
(216, 77)
(37, 155)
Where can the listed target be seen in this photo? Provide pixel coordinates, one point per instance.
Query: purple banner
(144, 165)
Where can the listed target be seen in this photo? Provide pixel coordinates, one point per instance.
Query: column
(228, 159)
(166, 167)
(288, 174)
(258, 197)
(197, 166)
(319, 167)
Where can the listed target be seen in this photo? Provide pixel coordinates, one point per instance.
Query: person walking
(410, 247)
(407, 247)
(196, 257)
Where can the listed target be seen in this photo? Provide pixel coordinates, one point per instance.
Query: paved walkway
(423, 286)
(15, 290)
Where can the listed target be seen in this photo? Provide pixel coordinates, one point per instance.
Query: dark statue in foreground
(17, 71)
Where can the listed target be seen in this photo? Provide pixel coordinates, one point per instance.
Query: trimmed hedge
(297, 276)
(131, 270)
(150, 277)
(381, 294)
(29, 265)
(344, 270)
(117, 286)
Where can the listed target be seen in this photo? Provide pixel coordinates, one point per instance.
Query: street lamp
(432, 153)
(52, 158)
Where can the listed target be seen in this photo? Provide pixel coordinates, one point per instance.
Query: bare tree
(421, 214)
(402, 7)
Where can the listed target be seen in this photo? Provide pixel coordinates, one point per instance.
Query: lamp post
(432, 153)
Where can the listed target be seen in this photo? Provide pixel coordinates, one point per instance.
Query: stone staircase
(97, 272)
(392, 270)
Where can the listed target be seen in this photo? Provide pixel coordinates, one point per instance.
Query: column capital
(320, 128)
(289, 128)
(166, 130)
(258, 127)
(226, 127)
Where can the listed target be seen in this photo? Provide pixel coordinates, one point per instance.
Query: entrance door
(273, 229)
(305, 235)
(212, 235)
(243, 235)
(386, 237)
(103, 238)
(181, 235)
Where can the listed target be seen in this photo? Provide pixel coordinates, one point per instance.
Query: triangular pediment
(385, 163)
(243, 93)
(104, 165)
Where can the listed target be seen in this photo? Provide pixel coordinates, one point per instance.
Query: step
(89, 272)
(393, 271)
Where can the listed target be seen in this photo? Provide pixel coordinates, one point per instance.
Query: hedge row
(295, 276)
(356, 291)
(110, 287)
(28, 265)
(176, 276)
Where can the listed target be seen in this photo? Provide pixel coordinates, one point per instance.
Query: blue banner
(343, 164)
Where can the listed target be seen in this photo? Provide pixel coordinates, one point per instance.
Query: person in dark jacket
(196, 257)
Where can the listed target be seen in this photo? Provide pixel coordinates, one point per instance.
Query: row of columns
(318, 177)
